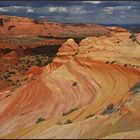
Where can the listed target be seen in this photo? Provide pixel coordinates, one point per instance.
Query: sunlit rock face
(70, 47)
(89, 90)
(16, 26)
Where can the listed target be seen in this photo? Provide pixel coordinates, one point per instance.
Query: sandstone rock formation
(15, 26)
(68, 48)
(83, 93)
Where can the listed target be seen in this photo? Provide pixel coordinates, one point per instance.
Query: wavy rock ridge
(79, 94)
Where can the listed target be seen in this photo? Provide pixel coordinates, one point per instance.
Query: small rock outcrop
(70, 47)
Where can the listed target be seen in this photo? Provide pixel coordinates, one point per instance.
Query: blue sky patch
(99, 12)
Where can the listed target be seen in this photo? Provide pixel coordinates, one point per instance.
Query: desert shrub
(10, 27)
(89, 116)
(133, 37)
(13, 84)
(107, 62)
(125, 65)
(18, 85)
(12, 72)
(59, 123)
(7, 95)
(109, 109)
(68, 121)
(9, 80)
(25, 79)
(17, 81)
(113, 62)
(38, 62)
(74, 84)
(5, 76)
(40, 120)
(44, 61)
(37, 21)
(136, 88)
(72, 110)
(6, 50)
(9, 75)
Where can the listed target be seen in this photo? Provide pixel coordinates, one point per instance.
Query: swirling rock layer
(87, 91)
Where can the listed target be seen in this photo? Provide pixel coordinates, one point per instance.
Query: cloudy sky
(101, 12)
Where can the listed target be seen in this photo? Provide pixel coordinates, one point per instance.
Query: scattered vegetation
(11, 71)
(12, 79)
(35, 60)
(6, 75)
(19, 40)
(40, 120)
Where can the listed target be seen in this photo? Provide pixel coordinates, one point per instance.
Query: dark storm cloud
(108, 12)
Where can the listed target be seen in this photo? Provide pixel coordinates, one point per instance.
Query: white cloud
(27, 9)
(110, 10)
(30, 10)
(78, 10)
(92, 2)
(57, 9)
(16, 7)
(118, 8)
(42, 17)
(70, 10)
(4, 9)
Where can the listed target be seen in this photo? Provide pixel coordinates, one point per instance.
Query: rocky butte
(85, 87)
